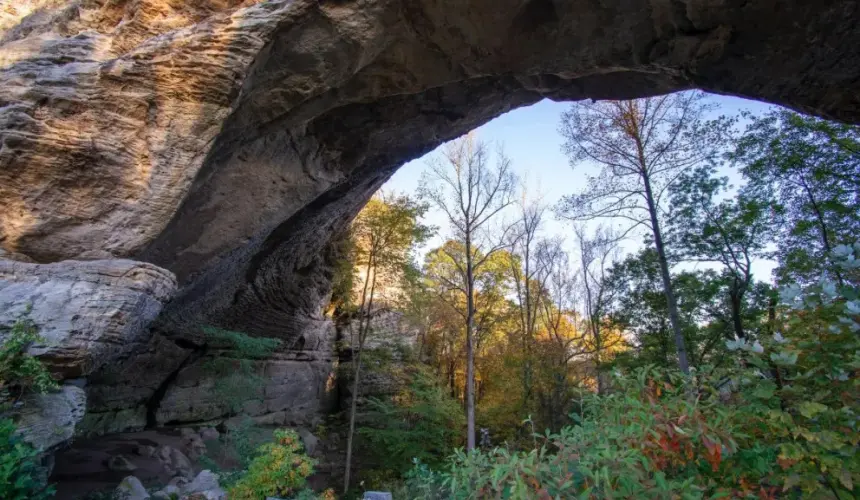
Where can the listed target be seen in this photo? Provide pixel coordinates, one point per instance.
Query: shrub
(19, 372)
(647, 440)
(280, 469)
(796, 403)
(20, 472)
(21, 476)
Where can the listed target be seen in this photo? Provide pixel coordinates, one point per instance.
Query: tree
(471, 192)
(384, 233)
(641, 146)
(731, 232)
(596, 254)
(530, 270)
(808, 170)
(565, 340)
(492, 309)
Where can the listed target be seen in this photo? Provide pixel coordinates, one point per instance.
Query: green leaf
(810, 408)
(845, 479)
(764, 391)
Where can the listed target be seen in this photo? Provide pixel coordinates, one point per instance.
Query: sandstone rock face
(227, 141)
(385, 372)
(90, 314)
(297, 386)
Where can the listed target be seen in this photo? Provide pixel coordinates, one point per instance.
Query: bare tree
(530, 270)
(641, 146)
(471, 192)
(596, 254)
(561, 320)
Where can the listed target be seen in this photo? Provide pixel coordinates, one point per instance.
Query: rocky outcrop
(90, 314)
(390, 348)
(227, 141)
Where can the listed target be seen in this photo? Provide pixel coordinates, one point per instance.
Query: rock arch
(227, 140)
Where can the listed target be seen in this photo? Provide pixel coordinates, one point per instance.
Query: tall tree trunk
(674, 317)
(736, 298)
(470, 354)
(363, 326)
(822, 227)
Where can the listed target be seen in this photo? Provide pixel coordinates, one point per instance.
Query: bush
(20, 471)
(19, 372)
(21, 476)
(647, 440)
(796, 403)
(279, 470)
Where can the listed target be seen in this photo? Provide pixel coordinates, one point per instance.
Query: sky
(530, 138)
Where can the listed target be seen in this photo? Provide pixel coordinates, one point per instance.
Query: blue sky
(531, 140)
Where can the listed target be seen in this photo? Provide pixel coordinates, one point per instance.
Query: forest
(561, 367)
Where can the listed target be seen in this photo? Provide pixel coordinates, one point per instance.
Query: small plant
(280, 469)
(20, 372)
(20, 471)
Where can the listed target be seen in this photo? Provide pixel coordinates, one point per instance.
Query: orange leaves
(713, 452)
(785, 463)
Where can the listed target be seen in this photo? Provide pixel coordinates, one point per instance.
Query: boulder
(119, 463)
(309, 441)
(204, 486)
(209, 434)
(131, 489)
(48, 420)
(175, 463)
(90, 314)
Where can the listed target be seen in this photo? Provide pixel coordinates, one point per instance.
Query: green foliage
(807, 171)
(639, 307)
(280, 469)
(421, 422)
(19, 372)
(648, 439)
(20, 475)
(781, 423)
(241, 343)
(805, 410)
(236, 380)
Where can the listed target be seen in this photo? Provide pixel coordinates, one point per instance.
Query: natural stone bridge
(227, 141)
